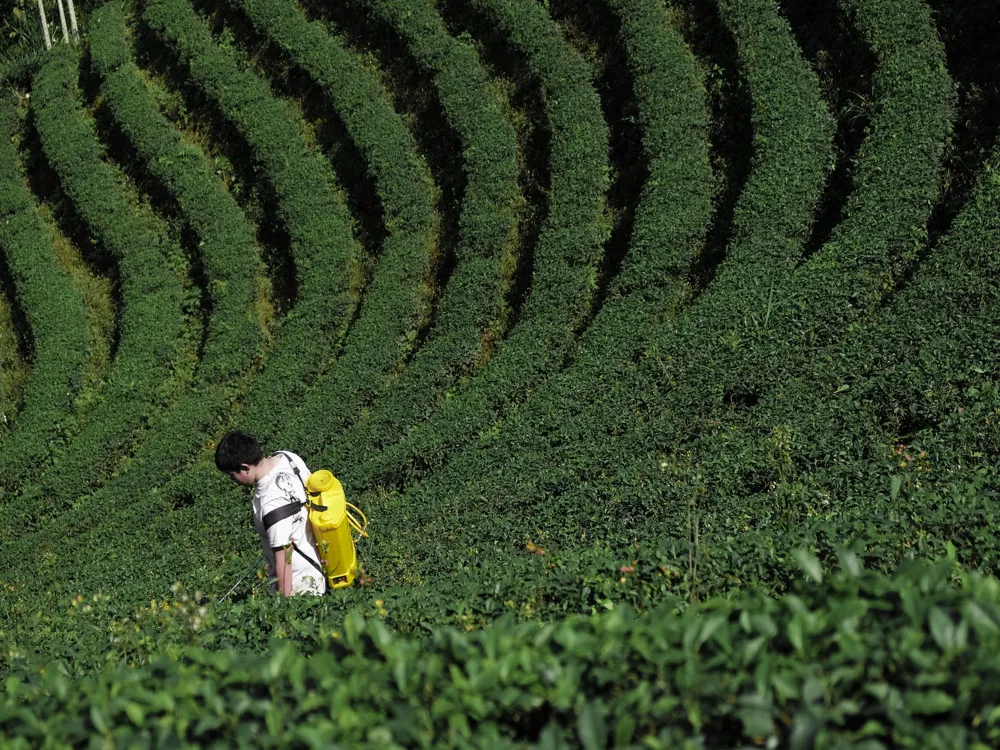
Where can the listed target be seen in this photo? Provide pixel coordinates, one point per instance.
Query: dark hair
(236, 449)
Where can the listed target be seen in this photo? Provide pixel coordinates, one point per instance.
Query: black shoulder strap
(280, 514)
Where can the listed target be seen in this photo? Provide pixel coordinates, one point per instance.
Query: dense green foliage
(629, 322)
(149, 267)
(730, 673)
(472, 307)
(558, 442)
(564, 271)
(313, 212)
(396, 303)
(54, 310)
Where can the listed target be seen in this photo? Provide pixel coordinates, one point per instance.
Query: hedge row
(228, 254)
(564, 277)
(917, 375)
(814, 445)
(671, 219)
(851, 658)
(472, 306)
(759, 343)
(555, 457)
(212, 506)
(55, 313)
(13, 367)
(397, 301)
(748, 355)
(151, 322)
(313, 211)
(897, 179)
(228, 248)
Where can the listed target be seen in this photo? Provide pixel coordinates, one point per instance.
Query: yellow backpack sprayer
(337, 526)
(334, 526)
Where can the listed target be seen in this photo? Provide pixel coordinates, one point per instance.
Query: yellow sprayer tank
(329, 519)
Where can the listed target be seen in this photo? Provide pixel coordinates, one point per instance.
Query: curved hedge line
(228, 246)
(152, 323)
(228, 253)
(564, 276)
(897, 179)
(693, 449)
(472, 305)
(315, 216)
(563, 453)
(758, 345)
(397, 301)
(924, 361)
(852, 658)
(675, 207)
(55, 312)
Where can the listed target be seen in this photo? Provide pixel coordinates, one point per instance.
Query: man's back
(282, 522)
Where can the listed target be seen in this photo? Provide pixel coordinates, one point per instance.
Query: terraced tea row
(55, 312)
(397, 302)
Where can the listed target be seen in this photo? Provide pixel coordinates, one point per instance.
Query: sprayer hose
(359, 526)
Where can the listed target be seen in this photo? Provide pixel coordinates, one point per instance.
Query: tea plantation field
(658, 340)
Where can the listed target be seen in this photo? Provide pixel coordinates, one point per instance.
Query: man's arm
(283, 570)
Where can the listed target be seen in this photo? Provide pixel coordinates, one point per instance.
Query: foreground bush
(855, 658)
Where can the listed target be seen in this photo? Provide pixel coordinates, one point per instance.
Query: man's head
(239, 455)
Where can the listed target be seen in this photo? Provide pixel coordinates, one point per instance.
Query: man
(279, 511)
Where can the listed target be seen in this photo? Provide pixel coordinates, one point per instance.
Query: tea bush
(849, 658)
(472, 307)
(397, 300)
(54, 310)
(326, 255)
(541, 460)
(564, 269)
(150, 269)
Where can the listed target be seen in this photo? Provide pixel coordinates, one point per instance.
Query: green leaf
(809, 563)
(850, 562)
(929, 702)
(980, 619)
(99, 718)
(796, 635)
(591, 727)
(897, 484)
(942, 629)
(803, 731)
(624, 730)
(709, 628)
(135, 713)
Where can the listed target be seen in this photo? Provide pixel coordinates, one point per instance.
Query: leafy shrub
(853, 657)
(142, 383)
(472, 305)
(564, 274)
(397, 301)
(55, 313)
(559, 443)
(313, 211)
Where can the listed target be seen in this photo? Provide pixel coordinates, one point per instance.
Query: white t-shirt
(275, 491)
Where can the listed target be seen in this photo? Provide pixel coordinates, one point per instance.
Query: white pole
(72, 22)
(45, 25)
(62, 21)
